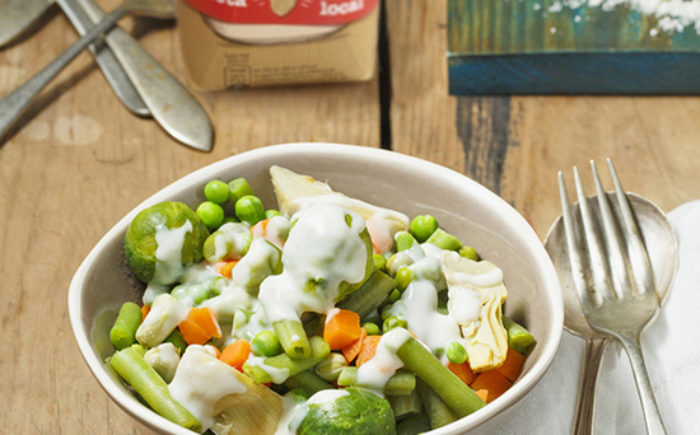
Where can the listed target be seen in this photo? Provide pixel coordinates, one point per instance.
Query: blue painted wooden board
(499, 47)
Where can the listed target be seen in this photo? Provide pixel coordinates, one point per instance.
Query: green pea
(271, 213)
(456, 353)
(468, 252)
(372, 328)
(444, 240)
(423, 226)
(395, 295)
(238, 188)
(216, 191)
(393, 322)
(404, 241)
(379, 261)
(250, 209)
(266, 344)
(230, 220)
(211, 214)
(403, 278)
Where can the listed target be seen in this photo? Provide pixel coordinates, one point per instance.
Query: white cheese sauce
(323, 246)
(418, 305)
(168, 254)
(201, 380)
(278, 375)
(375, 373)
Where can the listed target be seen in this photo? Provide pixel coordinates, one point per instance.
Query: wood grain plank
(78, 163)
(654, 141)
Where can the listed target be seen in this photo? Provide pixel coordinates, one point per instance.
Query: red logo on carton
(322, 12)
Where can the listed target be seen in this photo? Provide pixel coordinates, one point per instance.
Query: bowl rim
(551, 287)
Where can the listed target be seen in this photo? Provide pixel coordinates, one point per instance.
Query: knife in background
(169, 102)
(16, 16)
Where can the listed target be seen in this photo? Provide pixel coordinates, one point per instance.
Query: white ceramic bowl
(413, 186)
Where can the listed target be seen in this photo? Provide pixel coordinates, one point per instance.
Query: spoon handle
(13, 105)
(585, 402)
(652, 416)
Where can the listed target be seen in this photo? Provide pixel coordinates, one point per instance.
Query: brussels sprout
(141, 244)
(351, 411)
(345, 289)
(230, 242)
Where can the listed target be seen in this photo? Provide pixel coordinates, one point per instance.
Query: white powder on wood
(672, 15)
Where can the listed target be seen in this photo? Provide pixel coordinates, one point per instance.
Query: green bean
(308, 382)
(400, 384)
(461, 399)
(404, 241)
(422, 226)
(444, 240)
(330, 368)
(123, 333)
(438, 412)
(129, 364)
(456, 353)
(468, 252)
(405, 406)
(413, 425)
(370, 295)
(519, 338)
(379, 262)
(177, 340)
(319, 351)
(266, 343)
(239, 188)
(250, 209)
(293, 338)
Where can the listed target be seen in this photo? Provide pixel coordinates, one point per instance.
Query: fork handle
(585, 402)
(652, 416)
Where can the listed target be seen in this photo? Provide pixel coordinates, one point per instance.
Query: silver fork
(613, 276)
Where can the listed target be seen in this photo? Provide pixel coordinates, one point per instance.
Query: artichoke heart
(295, 191)
(476, 295)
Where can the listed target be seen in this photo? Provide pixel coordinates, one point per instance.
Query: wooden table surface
(81, 161)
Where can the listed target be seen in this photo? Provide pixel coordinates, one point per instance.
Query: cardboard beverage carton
(275, 42)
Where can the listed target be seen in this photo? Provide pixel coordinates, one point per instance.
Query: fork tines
(607, 254)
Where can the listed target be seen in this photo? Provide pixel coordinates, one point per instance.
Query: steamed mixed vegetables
(330, 315)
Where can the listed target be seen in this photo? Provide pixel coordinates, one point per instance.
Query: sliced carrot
(342, 328)
(227, 268)
(463, 372)
(492, 381)
(199, 326)
(192, 332)
(483, 395)
(512, 366)
(351, 351)
(260, 229)
(369, 348)
(236, 354)
(206, 319)
(144, 311)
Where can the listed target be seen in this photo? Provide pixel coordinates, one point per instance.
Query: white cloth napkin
(671, 347)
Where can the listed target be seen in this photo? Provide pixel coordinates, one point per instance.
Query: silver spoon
(13, 105)
(661, 244)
